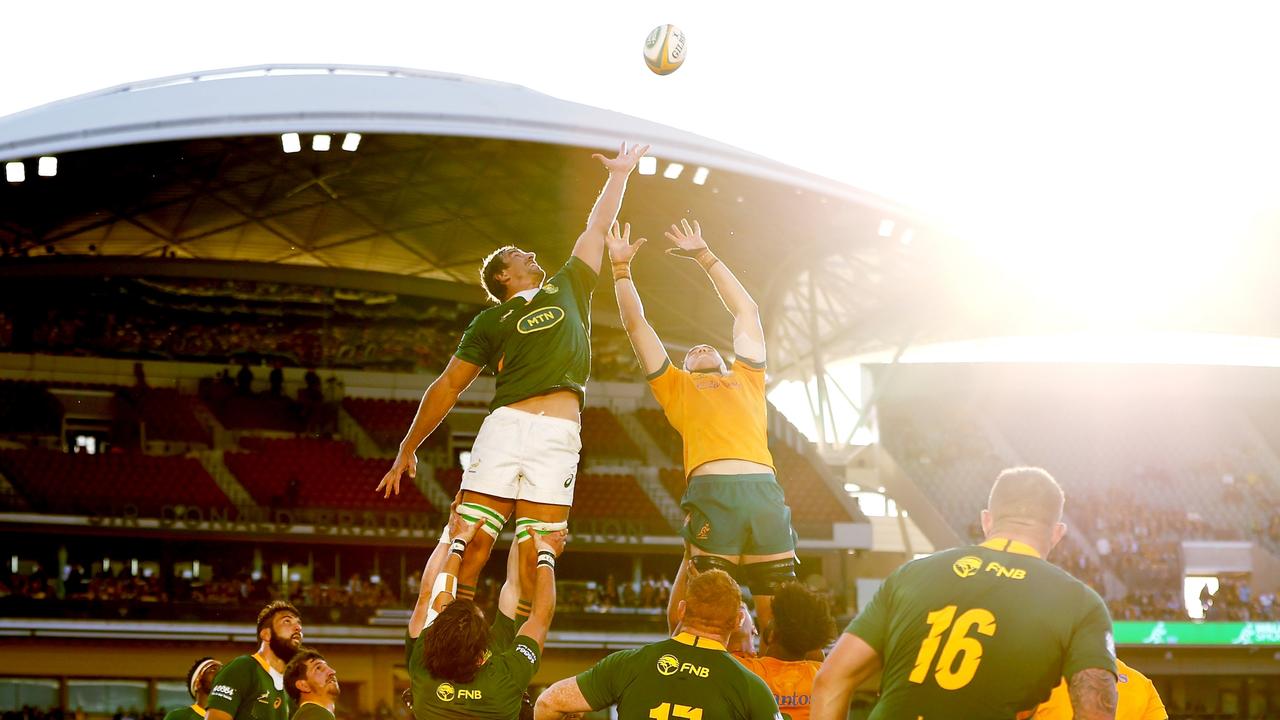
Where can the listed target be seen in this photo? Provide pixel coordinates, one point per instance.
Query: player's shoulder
(244, 663)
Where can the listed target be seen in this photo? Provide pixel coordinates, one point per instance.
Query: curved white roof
(269, 99)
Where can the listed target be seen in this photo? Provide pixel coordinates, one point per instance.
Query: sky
(1132, 148)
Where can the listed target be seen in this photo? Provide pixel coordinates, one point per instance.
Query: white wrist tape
(445, 583)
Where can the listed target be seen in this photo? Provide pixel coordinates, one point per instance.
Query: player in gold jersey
(1138, 699)
(802, 625)
(737, 519)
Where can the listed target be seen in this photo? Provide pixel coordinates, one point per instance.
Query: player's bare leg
(477, 553)
(542, 512)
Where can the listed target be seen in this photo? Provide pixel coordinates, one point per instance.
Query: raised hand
(551, 541)
(619, 243)
(626, 160)
(391, 481)
(688, 240)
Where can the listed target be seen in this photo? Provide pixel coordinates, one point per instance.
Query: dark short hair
(297, 670)
(713, 600)
(273, 608)
(802, 619)
(455, 643)
(191, 674)
(1025, 495)
(490, 268)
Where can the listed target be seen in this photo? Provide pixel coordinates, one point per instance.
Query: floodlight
(320, 143)
(886, 227)
(700, 176)
(648, 165)
(673, 171)
(15, 171)
(351, 142)
(48, 166)
(290, 142)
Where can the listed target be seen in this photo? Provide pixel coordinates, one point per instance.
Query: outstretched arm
(644, 340)
(443, 565)
(437, 401)
(590, 245)
(548, 548)
(748, 333)
(848, 666)
(562, 700)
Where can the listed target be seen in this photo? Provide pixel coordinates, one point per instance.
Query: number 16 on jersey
(961, 654)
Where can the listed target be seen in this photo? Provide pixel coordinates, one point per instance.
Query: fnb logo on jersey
(540, 319)
(967, 566)
(1006, 572)
(670, 665)
(445, 692)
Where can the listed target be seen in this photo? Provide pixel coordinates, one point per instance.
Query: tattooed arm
(1093, 694)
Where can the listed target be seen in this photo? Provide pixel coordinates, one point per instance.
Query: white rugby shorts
(523, 456)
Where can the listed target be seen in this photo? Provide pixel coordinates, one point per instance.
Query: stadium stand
(613, 497)
(314, 473)
(28, 408)
(172, 416)
(79, 484)
(384, 420)
(604, 437)
(814, 505)
(655, 423)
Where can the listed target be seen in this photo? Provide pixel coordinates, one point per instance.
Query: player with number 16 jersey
(981, 631)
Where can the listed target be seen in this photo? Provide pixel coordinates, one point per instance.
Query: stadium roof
(188, 175)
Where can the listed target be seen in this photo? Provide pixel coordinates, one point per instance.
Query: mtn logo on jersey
(670, 665)
(540, 319)
(967, 566)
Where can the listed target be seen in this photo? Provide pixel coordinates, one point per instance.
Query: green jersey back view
(684, 678)
(539, 345)
(982, 631)
(496, 691)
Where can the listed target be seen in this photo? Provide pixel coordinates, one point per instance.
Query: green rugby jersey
(190, 712)
(495, 692)
(540, 345)
(983, 631)
(248, 689)
(683, 678)
(312, 711)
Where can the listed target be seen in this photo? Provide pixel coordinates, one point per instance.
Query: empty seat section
(656, 424)
(616, 497)
(604, 436)
(814, 505)
(58, 482)
(172, 416)
(312, 473)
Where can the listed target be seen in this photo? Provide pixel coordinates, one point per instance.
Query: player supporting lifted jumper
(982, 631)
(312, 685)
(251, 687)
(460, 666)
(689, 675)
(802, 626)
(537, 340)
(737, 519)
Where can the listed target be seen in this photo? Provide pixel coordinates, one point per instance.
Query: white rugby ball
(665, 49)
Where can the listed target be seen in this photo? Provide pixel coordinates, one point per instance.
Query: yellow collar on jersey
(1007, 545)
(199, 710)
(688, 638)
(262, 661)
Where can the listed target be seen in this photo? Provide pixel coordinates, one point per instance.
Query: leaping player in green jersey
(537, 340)
(983, 631)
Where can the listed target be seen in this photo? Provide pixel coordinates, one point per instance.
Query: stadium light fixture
(15, 172)
(886, 227)
(291, 142)
(907, 236)
(351, 142)
(673, 171)
(320, 143)
(48, 166)
(648, 165)
(700, 176)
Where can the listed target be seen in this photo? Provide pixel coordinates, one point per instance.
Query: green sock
(466, 592)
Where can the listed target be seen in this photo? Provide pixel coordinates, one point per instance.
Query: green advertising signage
(1193, 633)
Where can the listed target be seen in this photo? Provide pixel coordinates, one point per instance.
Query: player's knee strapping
(764, 578)
(493, 520)
(525, 527)
(703, 563)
